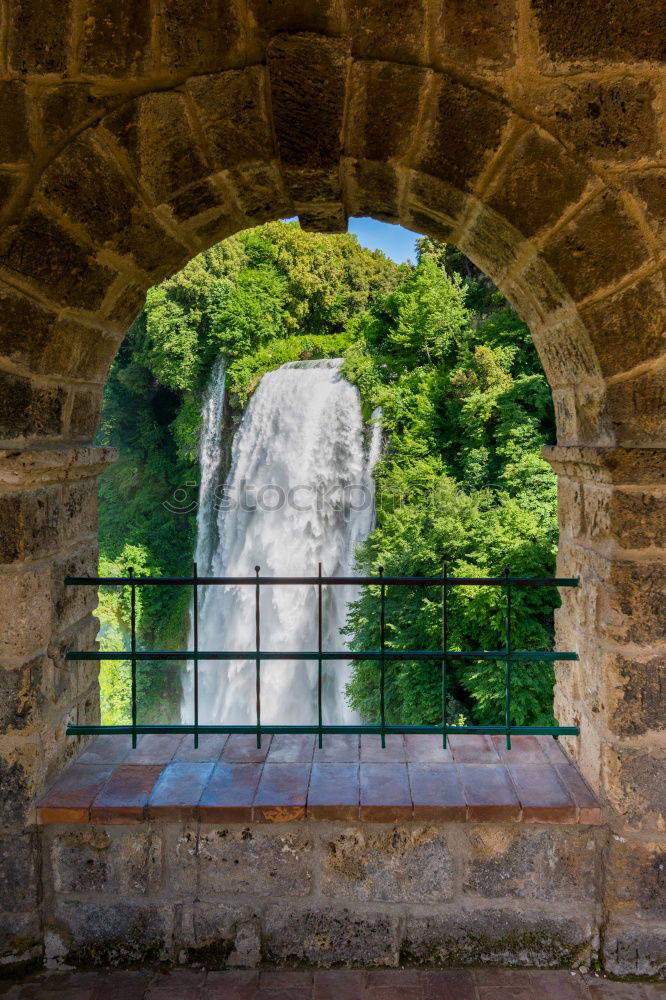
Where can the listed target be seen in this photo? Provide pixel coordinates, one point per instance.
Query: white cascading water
(210, 458)
(299, 492)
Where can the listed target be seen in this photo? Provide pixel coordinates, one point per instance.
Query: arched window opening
(404, 433)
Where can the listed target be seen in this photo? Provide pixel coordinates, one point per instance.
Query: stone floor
(228, 779)
(343, 984)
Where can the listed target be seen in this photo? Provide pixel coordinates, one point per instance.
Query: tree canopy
(466, 410)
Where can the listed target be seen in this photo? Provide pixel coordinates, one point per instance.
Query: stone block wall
(612, 535)
(48, 529)
(323, 894)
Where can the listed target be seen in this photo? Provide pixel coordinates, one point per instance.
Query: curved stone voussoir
(154, 132)
(467, 127)
(232, 109)
(648, 187)
(272, 17)
(629, 327)
(534, 200)
(372, 188)
(40, 251)
(578, 253)
(87, 185)
(308, 75)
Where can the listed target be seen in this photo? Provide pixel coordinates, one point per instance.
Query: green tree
(466, 409)
(422, 320)
(251, 313)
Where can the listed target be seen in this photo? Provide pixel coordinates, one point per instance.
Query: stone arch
(519, 131)
(125, 199)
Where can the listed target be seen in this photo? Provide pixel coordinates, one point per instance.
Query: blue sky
(396, 242)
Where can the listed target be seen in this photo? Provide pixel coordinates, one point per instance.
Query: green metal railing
(383, 656)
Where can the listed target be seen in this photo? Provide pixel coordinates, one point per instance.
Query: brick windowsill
(228, 780)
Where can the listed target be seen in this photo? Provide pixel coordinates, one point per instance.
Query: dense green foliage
(465, 411)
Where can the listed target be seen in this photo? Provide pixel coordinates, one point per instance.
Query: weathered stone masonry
(322, 893)
(350, 853)
(531, 134)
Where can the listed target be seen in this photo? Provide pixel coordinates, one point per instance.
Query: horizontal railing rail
(183, 729)
(508, 655)
(345, 581)
(342, 654)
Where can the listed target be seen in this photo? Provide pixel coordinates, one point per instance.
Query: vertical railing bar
(445, 646)
(382, 643)
(130, 573)
(508, 660)
(319, 664)
(257, 621)
(195, 631)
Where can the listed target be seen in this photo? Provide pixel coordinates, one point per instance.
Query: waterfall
(299, 492)
(210, 462)
(210, 458)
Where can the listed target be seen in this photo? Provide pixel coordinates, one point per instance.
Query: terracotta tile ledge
(229, 780)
